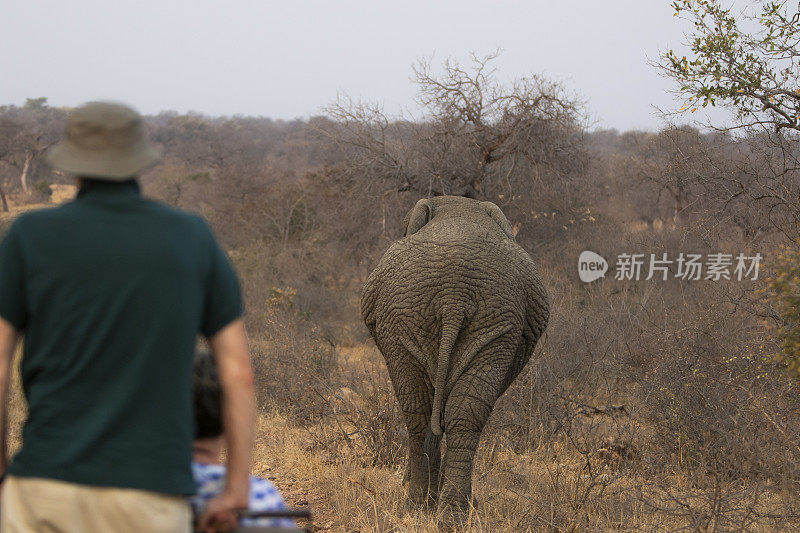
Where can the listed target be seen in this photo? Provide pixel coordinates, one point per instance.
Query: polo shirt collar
(95, 187)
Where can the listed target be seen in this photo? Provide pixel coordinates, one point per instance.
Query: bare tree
(475, 133)
(500, 124)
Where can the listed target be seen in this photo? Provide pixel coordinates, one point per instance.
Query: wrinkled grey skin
(456, 308)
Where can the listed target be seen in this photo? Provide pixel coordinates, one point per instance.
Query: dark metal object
(303, 514)
(278, 513)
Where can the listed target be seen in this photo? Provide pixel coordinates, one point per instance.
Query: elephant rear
(444, 303)
(456, 308)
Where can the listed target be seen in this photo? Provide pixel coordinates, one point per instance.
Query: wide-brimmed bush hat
(103, 140)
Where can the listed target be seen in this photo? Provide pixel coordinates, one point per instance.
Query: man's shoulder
(178, 215)
(45, 219)
(38, 217)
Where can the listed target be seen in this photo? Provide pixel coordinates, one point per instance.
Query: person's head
(105, 141)
(207, 396)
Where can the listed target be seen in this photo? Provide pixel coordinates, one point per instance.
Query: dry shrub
(656, 397)
(291, 359)
(729, 417)
(378, 418)
(363, 422)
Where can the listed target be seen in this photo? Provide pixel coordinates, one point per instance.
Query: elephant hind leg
(463, 435)
(468, 408)
(414, 393)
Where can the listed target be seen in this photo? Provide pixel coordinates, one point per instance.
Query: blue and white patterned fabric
(210, 480)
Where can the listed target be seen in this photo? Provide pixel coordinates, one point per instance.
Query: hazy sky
(288, 59)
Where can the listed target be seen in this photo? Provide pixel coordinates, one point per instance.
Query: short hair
(207, 396)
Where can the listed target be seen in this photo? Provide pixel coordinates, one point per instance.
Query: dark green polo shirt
(111, 291)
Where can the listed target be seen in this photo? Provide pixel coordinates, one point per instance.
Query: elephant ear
(419, 216)
(495, 214)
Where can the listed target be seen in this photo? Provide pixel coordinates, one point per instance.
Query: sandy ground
(60, 194)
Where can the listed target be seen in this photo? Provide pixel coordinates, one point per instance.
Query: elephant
(456, 308)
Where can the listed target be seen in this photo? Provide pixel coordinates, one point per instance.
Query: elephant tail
(451, 325)
(431, 453)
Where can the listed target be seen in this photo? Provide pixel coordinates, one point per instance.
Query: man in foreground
(110, 292)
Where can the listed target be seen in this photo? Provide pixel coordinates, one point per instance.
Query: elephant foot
(453, 517)
(422, 490)
(421, 499)
(455, 509)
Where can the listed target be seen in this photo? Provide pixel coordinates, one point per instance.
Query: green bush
(784, 295)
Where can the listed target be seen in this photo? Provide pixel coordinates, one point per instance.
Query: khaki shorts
(50, 506)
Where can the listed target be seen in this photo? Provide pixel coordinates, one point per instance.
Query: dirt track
(60, 194)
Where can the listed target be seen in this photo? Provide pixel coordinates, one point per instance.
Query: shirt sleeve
(223, 301)
(12, 280)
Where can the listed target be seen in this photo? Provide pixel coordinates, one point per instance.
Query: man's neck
(100, 187)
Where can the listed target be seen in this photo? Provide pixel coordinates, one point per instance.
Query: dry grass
(543, 490)
(569, 483)
(546, 489)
